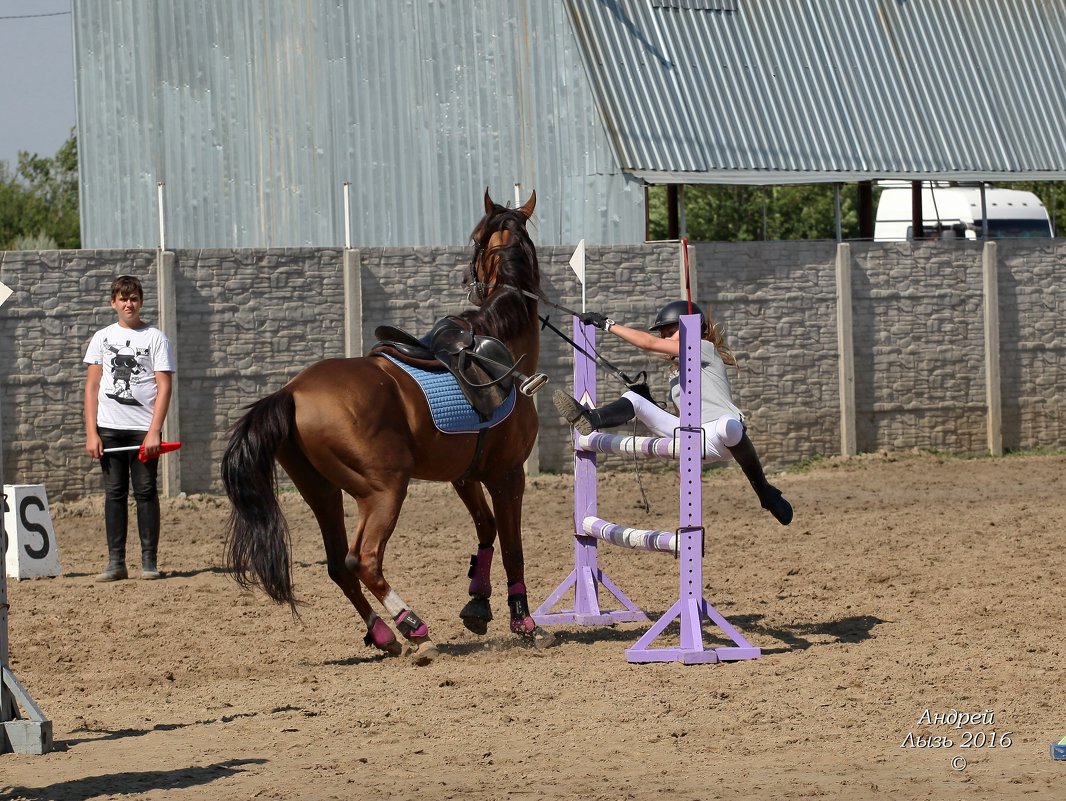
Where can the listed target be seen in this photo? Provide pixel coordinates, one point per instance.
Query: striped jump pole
(586, 579)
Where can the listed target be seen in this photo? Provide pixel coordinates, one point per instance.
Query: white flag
(577, 262)
(5, 292)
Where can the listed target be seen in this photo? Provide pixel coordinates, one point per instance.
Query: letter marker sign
(32, 548)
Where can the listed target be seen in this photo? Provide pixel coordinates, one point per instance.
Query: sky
(36, 77)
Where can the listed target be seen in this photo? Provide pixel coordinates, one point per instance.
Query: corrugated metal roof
(782, 91)
(255, 114)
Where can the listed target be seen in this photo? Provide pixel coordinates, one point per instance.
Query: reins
(629, 383)
(602, 361)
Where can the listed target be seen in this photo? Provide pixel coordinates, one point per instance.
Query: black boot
(769, 496)
(149, 570)
(148, 529)
(586, 421)
(116, 558)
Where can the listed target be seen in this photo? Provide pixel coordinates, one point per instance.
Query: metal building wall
(254, 114)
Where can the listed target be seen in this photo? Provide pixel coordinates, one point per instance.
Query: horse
(362, 426)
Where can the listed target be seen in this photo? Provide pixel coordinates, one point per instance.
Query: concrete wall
(249, 320)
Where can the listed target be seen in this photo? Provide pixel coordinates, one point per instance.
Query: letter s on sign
(46, 546)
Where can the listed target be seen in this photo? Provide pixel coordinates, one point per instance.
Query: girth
(482, 365)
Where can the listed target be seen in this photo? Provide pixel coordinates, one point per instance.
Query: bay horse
(362, 426)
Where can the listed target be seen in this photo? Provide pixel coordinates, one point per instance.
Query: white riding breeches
(719, 435)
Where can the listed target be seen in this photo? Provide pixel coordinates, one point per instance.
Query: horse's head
(504, 255)
(504, 277)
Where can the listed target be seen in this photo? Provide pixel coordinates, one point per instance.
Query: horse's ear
(489, 205)
(527, 209)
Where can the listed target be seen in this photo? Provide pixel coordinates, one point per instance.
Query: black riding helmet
(670, 314)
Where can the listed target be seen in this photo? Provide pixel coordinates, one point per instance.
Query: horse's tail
(257, 546)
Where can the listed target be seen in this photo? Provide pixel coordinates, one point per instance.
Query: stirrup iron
(532, 384)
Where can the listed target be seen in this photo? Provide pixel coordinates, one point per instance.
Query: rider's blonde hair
(716, 337)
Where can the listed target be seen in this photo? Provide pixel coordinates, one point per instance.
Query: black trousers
(120, 471)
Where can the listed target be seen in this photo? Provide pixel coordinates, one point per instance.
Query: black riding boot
(148, 529)
(586, 421)
(769, 496)
(116, 557)
(149, 568)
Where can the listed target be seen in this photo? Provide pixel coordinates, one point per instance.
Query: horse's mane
(505, 314)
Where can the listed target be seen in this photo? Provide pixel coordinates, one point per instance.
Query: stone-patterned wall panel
(248, 321)
(1032, 307)
(919, 346)
(60, 299)
(776, 302)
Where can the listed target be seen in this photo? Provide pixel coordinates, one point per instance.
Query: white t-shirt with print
(130, 359)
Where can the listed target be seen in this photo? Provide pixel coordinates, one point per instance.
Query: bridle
(483, 287)
(478, 290)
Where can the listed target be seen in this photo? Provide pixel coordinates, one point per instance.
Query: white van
(954, 212)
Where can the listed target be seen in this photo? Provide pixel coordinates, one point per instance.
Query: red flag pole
(164, 447)
(688, 282)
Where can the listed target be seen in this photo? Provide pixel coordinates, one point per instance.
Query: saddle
(482, 365)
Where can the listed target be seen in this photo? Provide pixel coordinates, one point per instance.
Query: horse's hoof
(531, 633)
(541, 638)
(381, 637)
(422, 652)
(476, 614)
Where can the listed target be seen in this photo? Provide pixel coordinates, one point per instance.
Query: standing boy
(127, 393)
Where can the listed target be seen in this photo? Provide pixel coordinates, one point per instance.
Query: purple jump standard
(586, 579)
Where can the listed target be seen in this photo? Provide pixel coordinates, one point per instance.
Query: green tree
(39, 201)
(795, 211)
(745, 213)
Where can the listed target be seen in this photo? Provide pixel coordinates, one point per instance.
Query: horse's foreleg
(507, 491)
(478, 612)
(377, 520)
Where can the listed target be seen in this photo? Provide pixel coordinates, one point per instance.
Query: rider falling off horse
(722, 421)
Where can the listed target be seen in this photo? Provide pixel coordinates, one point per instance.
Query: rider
(721, 419)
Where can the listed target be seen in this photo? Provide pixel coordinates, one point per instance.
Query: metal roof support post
(846, 352)
(993, 399)
(673, 223)
(917, 226)
(984, 212)
(836, 206)
(866, 210)
(682, 217)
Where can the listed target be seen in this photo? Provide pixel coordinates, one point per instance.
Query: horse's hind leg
(478, 612)
(378, 514)
(507, 490)
(327, 503)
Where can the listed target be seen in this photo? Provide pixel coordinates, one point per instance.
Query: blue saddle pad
(452, 412)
